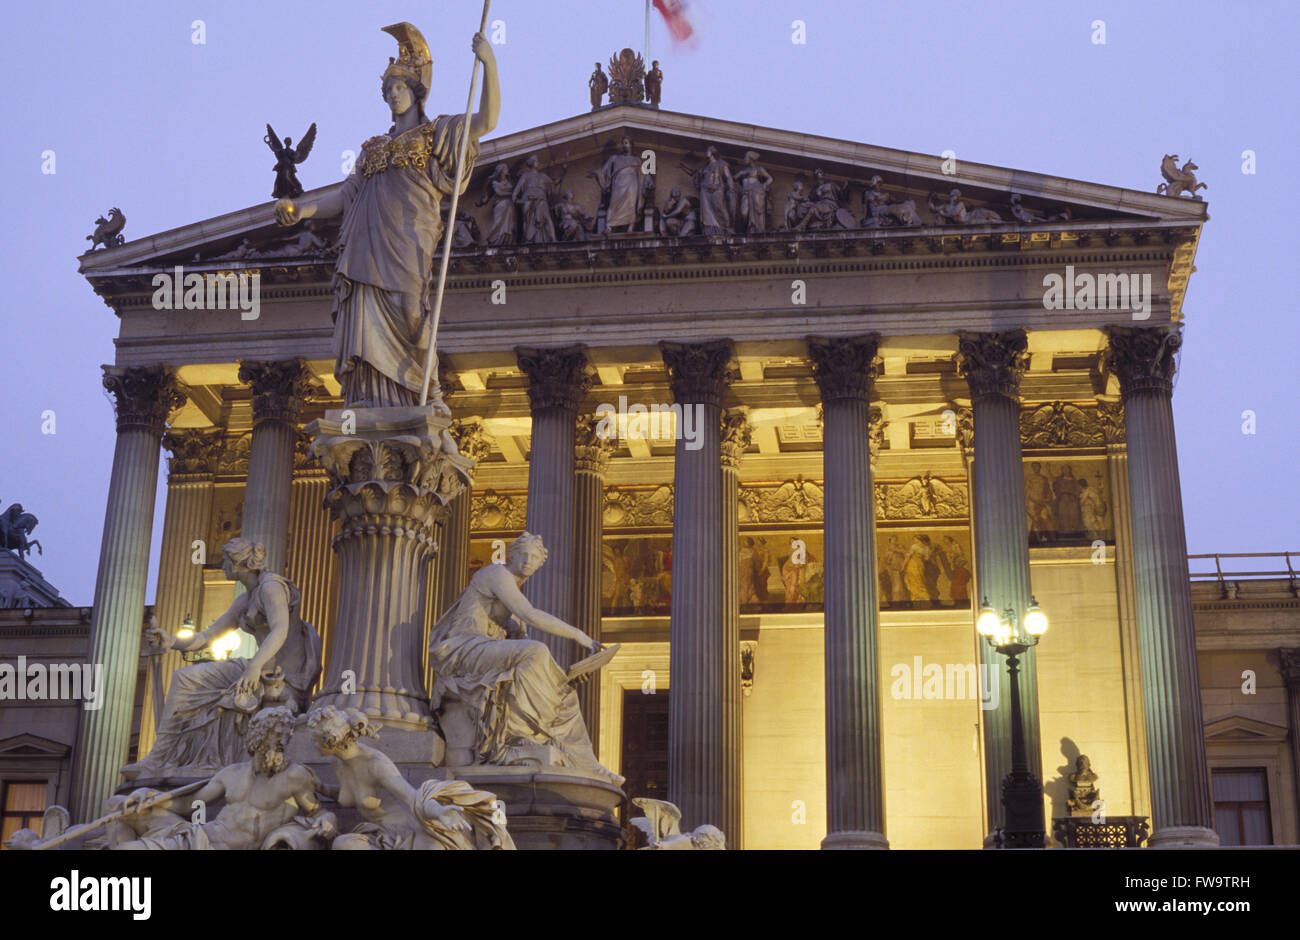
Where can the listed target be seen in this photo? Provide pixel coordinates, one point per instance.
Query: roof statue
(15, 527)
(598, 84)
(108, 230)
(626, 78)
(1179, 181)
(287, 158)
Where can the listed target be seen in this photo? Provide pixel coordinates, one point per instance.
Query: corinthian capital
(698, 373)
(992, 363)
(194, 451)
(737, 432)
(1143, 358)
(143, 397)
(557, 378)
(280, 389)
(472, 439)
(846, 366)
(592, 446)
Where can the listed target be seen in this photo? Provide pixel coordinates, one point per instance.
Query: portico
(856, 524)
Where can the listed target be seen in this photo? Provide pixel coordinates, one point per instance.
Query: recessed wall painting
(924, 569)
(784, 571)
(1068, 501)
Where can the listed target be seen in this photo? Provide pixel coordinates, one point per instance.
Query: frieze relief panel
(923, 497)
(234, 456)
(493, 511)
(1061, 424)
(796, 500)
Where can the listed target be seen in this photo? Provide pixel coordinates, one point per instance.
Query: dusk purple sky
(140, 117)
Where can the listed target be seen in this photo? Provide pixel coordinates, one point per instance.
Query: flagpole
(646, 50)
(450, 229)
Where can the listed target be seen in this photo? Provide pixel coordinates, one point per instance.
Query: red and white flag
(674, 14)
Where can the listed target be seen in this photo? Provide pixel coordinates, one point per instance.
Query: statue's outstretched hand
(159, 638)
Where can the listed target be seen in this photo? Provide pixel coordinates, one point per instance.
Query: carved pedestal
(391, 478)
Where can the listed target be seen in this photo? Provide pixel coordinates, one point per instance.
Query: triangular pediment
(31, 745)
(1240, 728)
(1051, 208)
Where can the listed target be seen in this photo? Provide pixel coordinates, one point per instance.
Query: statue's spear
(451, 221)
(91, 826)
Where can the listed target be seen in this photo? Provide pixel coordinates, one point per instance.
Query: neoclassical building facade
(782, 441)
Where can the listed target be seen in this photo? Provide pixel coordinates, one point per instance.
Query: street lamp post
(1022, 793)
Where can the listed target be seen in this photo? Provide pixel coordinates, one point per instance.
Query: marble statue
(305, 242)
(678, 216)
(1028, 216)
(440, 814)
(266, 798)
(620, 184)
(108, 231)
(1179, 181)
(598, 84)
(15, 527)
(954, 211)
(654, 83)
(287, 158)
(755, 183)
(533, 193)
(573, 224)
(208, 704)
(391, 225)
(883, 213)
(717, 189)
(661, 825)
(465, 233)
(499, 189)
(517, 696)
(1083, 788)
(825, 210)
(797, 205)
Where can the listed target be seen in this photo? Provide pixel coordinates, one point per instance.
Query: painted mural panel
(924, 569)
(1067, 501)
(783, 571)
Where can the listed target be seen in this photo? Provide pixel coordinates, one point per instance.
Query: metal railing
(1222, 576)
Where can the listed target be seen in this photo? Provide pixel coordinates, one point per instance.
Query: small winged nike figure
(287, 158)
(661, 825)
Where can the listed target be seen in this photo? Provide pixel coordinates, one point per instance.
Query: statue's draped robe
(200, 731)
(514, 689)
(621, 176)
(391, 228)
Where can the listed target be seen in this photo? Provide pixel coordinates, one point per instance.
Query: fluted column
(992, 364)
(390, 482)
(143, 399)
(556, 379)
(280, 389)
(450, 573)
(698, 762)
(845, 369)
(1112, 422)
(591, 456)
(735, 437)
(1181, 809)
(309, 562)
(180, 577)
(1289, 661)
(453, 551)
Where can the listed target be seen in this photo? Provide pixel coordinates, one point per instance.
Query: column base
(1181, 837)
(854, 840)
